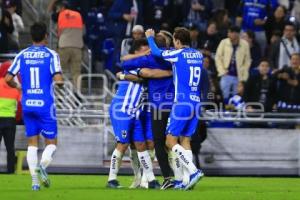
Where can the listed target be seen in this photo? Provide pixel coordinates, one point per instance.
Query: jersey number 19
(195, 73)
(34, 77)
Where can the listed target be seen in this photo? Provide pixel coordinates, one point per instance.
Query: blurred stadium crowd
(251, 47)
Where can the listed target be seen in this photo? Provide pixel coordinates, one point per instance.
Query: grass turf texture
(64, 187)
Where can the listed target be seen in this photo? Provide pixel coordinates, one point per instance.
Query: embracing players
(125, 113)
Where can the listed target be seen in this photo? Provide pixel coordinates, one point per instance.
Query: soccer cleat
(154, 184)
(113, 184)
(194, 179)
(167, 184)
(43, 176)
(178, 185)
(35, 188)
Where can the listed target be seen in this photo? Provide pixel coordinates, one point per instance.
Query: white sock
(184, 158)
(186, 174)
(32, 160)
(152, 154)
(47, 155)
(135, 163)
(176, 166)
(115, 163)
(146, 164)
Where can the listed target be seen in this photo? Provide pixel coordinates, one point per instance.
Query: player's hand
(149, 33)
(118, 75)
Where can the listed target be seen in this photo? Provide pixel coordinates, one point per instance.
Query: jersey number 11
(34, 77)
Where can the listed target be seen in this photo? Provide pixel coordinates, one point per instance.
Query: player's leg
(185, 143)
(179, 119)
(143, 154)
(115, 163)
(32, 133)
(122, 124)
(32, 161)
(147, 130)
(190, 178)
(48, 125)
(135, 164)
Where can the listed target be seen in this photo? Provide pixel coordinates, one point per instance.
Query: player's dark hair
(38, 31)
(160, 41)
(137, 44)
(183, 35)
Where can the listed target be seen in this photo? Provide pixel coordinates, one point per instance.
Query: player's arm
(168, 55)
(136, 55)
(129, 77)
(154, 73)
(9, 79)
(134, 63)
(55, 69)
(154, 48)
(58, 79)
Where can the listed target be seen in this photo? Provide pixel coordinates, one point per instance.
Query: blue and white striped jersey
(129, 97)
(187, 68)
(36, 65)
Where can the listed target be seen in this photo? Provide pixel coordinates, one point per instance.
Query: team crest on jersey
(124, 134)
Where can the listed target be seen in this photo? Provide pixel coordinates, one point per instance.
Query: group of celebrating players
(159, 93)
(155, 110)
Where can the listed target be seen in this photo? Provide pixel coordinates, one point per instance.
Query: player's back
(37, 66)
(187, 74)
(128, 98)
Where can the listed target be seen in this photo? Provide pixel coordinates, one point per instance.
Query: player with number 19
(187, 66)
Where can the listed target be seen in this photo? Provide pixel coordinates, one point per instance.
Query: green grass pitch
(86, 187)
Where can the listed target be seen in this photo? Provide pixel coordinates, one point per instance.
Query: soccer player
(187, 66)
(125, 111)
(38, 67)
(160, 97)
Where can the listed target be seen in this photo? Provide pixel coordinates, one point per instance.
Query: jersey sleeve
(154, 48)
(171, 55)
(135, 63)
(168, 55)
(55, 66)
(132, 72)
(15, 66)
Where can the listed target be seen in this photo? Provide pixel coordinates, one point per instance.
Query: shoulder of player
(172, 52)
(52, 52)
(22, 52)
